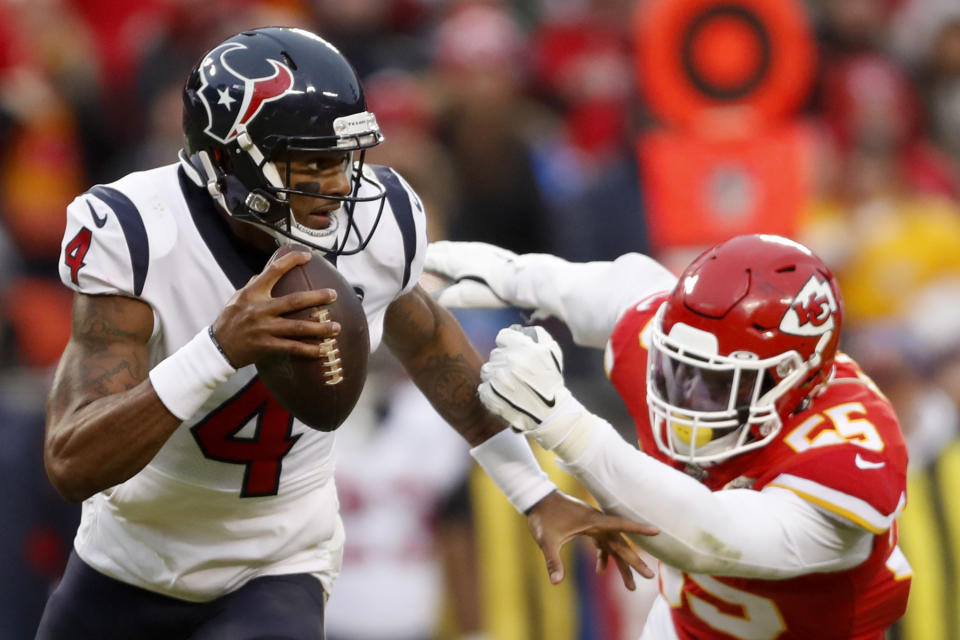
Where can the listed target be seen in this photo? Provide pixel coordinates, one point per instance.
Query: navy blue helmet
(261, 94)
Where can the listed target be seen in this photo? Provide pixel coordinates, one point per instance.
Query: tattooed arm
(440, 359)
(429, 342)
(104, 420)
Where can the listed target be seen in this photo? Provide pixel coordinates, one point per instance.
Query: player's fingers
(602, 558)
(292, 347)
(275, 270)
(625, 574)
(513, 336)
(625, 554)
(615, 547)
(440, 259)
(555, 568)
(293, 328)
(301, 300)
(607, 522)
(499, 361)
(491, 400)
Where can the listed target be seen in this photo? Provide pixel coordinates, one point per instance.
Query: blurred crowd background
(584, 128)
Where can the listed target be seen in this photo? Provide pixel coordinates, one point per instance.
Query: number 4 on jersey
(263, 453)
(75, 251)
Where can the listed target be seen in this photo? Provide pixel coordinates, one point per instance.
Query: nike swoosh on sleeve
(866, 464)
(97, 220)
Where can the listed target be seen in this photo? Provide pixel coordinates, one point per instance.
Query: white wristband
(508, 460)
(187, 377)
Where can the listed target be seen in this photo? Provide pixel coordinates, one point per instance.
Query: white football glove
(523, 384)
(523, 380)
(477, 274)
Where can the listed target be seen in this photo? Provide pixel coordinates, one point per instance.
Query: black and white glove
(523, 384)
(523, 380)
(471, 274)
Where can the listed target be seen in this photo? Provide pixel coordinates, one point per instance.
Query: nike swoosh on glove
(477, 274)
(523, 380)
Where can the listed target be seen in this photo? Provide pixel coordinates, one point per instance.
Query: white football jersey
(241, 489)
(392, 585)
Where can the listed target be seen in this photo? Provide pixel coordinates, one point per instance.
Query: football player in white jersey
(772, 465)
(209, 511)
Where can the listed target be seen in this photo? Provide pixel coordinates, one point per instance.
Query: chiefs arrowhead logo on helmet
(811, 312)
(231, 98)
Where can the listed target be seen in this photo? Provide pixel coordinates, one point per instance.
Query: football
(321, 392)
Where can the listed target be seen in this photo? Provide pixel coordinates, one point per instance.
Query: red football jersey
(844, 453)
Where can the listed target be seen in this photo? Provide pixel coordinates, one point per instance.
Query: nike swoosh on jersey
(864, 464)
(97, 220)
(549, 402)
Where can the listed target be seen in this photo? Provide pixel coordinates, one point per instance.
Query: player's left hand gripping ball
(523, 380)
(321, 392)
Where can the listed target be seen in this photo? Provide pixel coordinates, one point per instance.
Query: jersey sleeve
(851, 460)
(590, 297)
(737, 532)
(411, 219)
(104, 247)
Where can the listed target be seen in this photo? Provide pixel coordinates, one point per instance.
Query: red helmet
(747, 335)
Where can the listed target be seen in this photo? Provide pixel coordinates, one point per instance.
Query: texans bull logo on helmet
(811, 312)
(233, 99)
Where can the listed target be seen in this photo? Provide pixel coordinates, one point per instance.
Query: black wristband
(216, 343)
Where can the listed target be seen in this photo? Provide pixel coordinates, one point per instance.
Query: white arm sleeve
(770, 534)
(588, 296)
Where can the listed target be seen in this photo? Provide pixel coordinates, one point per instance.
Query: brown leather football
(321, 392)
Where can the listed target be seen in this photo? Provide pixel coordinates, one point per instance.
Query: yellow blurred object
(519, 603)
(684, 432)
(930, 537)
(884, 253)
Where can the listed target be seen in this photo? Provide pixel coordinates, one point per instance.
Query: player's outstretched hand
(523, 380)
(471, 274)
(251, 325)
(559, 518)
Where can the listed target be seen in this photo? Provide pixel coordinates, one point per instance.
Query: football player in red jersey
(773, 467)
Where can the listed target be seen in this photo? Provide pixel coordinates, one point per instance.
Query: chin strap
(204, 173)
(231, 194)
(268, 168)
(190, 167)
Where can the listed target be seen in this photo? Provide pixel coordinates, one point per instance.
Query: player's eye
(327, 164)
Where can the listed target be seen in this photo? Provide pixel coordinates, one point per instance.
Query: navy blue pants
(88, 605)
